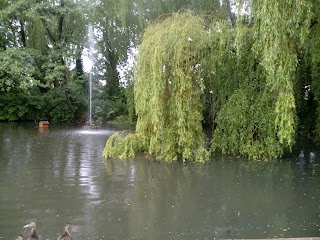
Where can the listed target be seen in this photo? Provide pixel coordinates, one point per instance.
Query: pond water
(58, 176)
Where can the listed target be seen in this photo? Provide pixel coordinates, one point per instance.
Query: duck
(19, 237)
(66, 235)
(33, 234)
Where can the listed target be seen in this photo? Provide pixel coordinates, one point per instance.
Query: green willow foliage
(279, 25)
(259, 120)
(168, 90)
(245, 122)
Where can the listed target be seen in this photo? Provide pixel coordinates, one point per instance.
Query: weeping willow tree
(259, 120)
(168, 90)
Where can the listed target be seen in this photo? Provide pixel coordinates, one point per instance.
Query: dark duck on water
(66, 235)
(33, 234)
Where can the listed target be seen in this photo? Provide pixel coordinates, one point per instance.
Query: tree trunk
(61, 18)
(231, 15)
(111, 65)
(23, 34)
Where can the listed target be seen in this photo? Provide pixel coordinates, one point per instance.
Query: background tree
(49, 36)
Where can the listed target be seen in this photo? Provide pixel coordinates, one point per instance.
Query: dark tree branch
(48, 32)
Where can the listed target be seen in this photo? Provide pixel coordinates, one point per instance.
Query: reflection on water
(56, 176)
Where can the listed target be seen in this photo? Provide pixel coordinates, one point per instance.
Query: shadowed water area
(57, 176)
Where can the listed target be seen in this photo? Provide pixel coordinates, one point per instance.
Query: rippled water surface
(57, 176)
